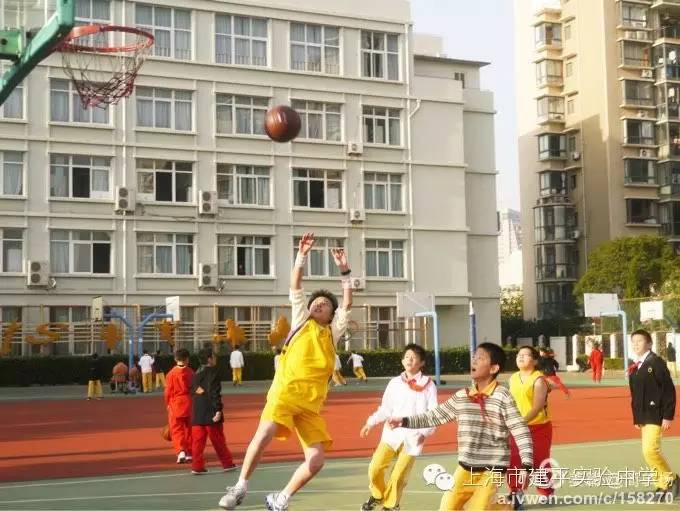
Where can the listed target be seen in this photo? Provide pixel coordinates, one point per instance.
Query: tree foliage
(512, 302)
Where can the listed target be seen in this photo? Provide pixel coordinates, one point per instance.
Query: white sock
(242, 483)
(282, 499)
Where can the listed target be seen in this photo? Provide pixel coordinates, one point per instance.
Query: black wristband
(404, 422)
(346, 272)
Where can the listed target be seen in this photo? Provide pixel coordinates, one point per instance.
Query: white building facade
(178, 191)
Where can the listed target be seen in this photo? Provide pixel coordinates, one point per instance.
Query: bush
(613, 363)
(582, 362)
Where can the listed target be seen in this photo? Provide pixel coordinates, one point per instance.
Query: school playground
(59, 451)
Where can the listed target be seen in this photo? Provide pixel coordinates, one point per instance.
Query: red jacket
(596, 358)
(178, 391)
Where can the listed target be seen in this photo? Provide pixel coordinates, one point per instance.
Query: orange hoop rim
(86, 30)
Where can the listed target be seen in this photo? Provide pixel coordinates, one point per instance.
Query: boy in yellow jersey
(530, 389)
(300, 385)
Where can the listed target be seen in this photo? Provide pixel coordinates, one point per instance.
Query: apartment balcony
(669, 34)
(555, 299)
(642, 212)
(668, 73)
(668, 112)
(669, 180)
(672, 5)
(639, 172)
(554, 222)
(561, 272)
(670, 219)
(632, 34)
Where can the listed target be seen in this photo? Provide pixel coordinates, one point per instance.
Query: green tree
(637, 266)
(512, 302)
(670, 294)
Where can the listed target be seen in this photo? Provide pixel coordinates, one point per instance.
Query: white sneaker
(270, 502)
(181, 457)
(233, 497)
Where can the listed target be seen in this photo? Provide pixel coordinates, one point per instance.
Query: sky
(482, 30)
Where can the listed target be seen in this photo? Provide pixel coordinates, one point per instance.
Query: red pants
(597, 373)
(180, 429)
(557, 381)
(541, 435)
(216, 434)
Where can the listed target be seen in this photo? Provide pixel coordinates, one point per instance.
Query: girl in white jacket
(408, 394)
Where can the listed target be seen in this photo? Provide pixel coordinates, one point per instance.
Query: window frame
(71, 167)
(323, 47)
(302, 107)
(322, 247)
(158, 166)
(385, 53)
(230, 101)
(653, 211)
(173, 102)
(386, 118)
(73, 100)
(155, 243)
(326, 180)
(391, 250)
(388, 184)
(236, 178)
(233, 242)
(232, 36)
(549, 152)
(20, 101)
(72, 243)
(172, 30)
(22, 169)
(22, 243)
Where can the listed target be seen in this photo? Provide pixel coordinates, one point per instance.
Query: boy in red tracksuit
(596, 360)
(208, 419)
(178, 404)
(549, 367)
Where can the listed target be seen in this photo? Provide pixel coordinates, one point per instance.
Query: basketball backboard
(412, 303)
(172, 307)
(29, 32)
(651, 310)
(598, 304)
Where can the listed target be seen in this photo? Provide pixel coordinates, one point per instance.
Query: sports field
(62, 452)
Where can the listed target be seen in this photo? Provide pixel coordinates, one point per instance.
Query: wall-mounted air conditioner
(358, 283)
(38, 273)
(355, 148)
(207, 203)
(357, 215)
(207, 276)
(125, 199)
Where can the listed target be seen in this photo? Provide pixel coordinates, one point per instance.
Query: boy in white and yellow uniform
(410, 393)
(300, 385)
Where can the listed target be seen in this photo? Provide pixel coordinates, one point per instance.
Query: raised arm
(442, 414)
(340, 260)
(304, 247)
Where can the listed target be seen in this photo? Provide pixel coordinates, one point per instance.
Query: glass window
(241, 40)
(244, 255)
(165, 253)
(11, 173)
(171, 29)
(66, 106)
(315, 48)
(242, 115)
(385, 258)
(321, 121)
(165, 180)
(382, 125)
(313, 188)
(379, 55)
(383, 191)
(244, 184)
(80, 176)
(80, 252)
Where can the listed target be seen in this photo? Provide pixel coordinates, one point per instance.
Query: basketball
(165, 433)
(282, 123)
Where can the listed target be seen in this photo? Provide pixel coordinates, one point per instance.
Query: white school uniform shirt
(338, 364)
(276, 362)
(357, 360)
(236, 359)
(399, 400)
(146, 363)
(300, 314)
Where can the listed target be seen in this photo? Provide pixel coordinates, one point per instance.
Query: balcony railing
(555, 80)
(671, 229)
(672, 32)
(555, 271)
(639, 101)
(670, 111)
(670, 190)
(636, 61)
(668, 72)
(638, 140)
(551, 116)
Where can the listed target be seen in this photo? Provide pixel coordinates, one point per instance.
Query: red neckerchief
(480, 397)
(633, 367)
(412, 383)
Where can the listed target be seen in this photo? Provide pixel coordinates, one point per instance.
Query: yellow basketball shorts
(310, 426)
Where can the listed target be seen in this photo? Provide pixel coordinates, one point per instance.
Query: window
(571, 143)
(638, 132)
(569, 68)
(13, 107)
(12, 253)
(551, 145)
(553, 183)
(320, 261)
(638, 93)
(548, 34)
(79, 176)
(379, 55)
(572, 182)
(639, 171)
(641, 211)
(548, 72)
(171, 29)
(556, 261)
(460, 77)
(243, 255)
(320, 121)
(240, 40)
(65, 105)
(383, 191)
(12, 169)
(313, 188)
(555, 300)
(382, 125)
(634, 54)
(633, 15)
(94, 12)
(244, 184)
(385, 258)
(554, 223)
(571, 106)
(550, 108)
(164, 108)
(165, 181)
(315, 48)
(80, 252)
(165, 253)
(243, 115)
(567, 32)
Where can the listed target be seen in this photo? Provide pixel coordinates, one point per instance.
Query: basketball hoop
(103, 73)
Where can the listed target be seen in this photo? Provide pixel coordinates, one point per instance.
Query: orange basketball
(165, 433)
(282, 123)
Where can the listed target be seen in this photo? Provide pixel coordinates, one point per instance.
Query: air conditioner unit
(646, 73)
(207, 204)
(357, 215)
(644, 153)
(575, 234)
(355, 148)
(358, 283)
(207, 276)
(38, 273)
(125, 199)
(575, 155)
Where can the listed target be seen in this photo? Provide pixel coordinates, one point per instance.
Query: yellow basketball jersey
(523, 392)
